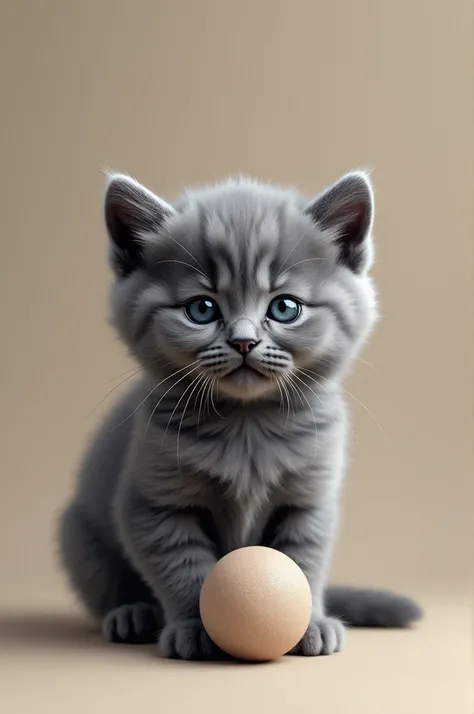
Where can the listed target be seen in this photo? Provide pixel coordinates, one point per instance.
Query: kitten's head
(242, 282)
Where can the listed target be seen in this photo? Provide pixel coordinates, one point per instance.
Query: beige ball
(256, 603)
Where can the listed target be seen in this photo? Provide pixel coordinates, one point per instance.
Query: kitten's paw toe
(137, 624)
(324, 636)
(187, 639)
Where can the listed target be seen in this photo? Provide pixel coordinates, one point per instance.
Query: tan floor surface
(51, 660)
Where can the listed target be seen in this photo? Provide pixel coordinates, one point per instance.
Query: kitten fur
(243, 304)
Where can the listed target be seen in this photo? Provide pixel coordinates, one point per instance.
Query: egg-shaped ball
(256, 603)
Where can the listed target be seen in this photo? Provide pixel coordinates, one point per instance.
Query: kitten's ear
(346, 209)
(131, 211)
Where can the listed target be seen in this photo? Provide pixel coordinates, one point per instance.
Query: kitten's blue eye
(202, 311)
(284, 309)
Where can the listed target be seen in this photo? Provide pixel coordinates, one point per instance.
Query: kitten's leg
(111, 591)
(174, 555)
(306, 536)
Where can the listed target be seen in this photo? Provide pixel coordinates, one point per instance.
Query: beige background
(183, 91)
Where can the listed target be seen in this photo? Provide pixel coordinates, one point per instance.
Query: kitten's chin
(246, 385)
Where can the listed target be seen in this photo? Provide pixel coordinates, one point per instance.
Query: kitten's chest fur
(238, 469)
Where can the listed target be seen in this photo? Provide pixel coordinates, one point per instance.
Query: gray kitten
(243, 304)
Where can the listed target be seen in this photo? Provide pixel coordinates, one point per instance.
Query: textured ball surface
(256, 603)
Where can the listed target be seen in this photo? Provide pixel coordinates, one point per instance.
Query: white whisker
(122, 374)
(132, 369)
(355, 359)
(313, 392)
(176, 242)
(207, 405)
(289, 255)
(281, 393)
(294, 387)
(200, 395)
(303, 395)
(199, 377)
(285, 390)
(163, 396)
(181, 422)
(151, 392)
(182, 262)
(306, 260)
(344, 390)
(112, 391)
(214, 380)
(308, 372)
(368, 412)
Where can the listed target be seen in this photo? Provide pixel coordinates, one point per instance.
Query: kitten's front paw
(324, 636)
(136, 624)
(187, 639)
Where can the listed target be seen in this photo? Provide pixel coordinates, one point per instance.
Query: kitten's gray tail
(358, 607)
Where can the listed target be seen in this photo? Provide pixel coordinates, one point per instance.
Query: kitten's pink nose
(243, 346)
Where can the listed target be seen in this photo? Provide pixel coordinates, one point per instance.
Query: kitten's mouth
(246, 382)
(245, 368)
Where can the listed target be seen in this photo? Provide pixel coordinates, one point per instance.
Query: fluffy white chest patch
(240, 523)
